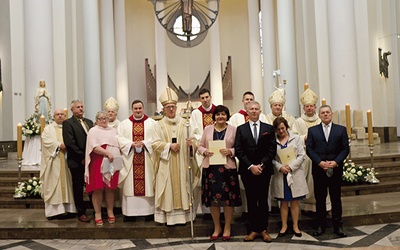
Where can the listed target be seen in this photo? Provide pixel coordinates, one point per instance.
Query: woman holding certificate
(288, 182)
(102, 162)
(219, 186)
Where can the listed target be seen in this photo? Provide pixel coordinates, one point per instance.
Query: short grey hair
(251, 103)
(74, 101)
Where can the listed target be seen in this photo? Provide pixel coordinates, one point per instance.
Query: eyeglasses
(102, 119)
(170, 107)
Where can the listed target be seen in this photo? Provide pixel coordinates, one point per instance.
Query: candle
(348, 120)
(370, 132)
(305, 86)
(42, 123)
(19, 141)
(323, 101)
(66, 113)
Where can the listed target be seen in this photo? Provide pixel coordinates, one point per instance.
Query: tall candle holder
(349, 156)
(19, 195)
(372, 178)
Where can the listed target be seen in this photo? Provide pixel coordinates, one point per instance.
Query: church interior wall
(140, 26)
(377, 25)
(234, 39)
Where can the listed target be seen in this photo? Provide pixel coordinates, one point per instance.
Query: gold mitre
(168, 96)
(277, 96)
(111, 104)
(308, 97)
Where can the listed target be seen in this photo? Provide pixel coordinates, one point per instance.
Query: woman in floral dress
(220, 186)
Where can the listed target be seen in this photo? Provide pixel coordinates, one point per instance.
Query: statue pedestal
(32, 151)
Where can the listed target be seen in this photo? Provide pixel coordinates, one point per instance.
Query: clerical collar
(207, 109)
(138, 119)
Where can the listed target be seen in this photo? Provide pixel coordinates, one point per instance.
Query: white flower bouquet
(29, 188)
(353, 173)
(31, 127)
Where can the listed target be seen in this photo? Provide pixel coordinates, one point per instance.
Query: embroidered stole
(138, 162)
(207, 115)
(246, 116)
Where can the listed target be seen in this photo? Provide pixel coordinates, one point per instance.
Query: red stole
(246, 116)
(207, 115)
(138, 162)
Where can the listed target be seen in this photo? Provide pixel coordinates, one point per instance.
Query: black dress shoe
(319, 231)
(339, 232)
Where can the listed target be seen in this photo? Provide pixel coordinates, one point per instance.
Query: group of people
(235, 157)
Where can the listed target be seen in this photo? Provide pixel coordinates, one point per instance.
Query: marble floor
(379, 236)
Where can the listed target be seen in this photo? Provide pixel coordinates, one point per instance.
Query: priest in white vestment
(172, 183)
(54, 173)
(277, 102)
(111, 106)
(199, 119)
(136, 179)
(308, 119)
(241, 116)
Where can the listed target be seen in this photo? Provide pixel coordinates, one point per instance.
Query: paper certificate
(286, 155)
(111, 167)
(217, 158)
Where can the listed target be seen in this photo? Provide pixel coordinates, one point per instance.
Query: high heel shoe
(226, 238)
(98, 222)
(282, 234)
(215, 237)
(298, 234)
(111, 219)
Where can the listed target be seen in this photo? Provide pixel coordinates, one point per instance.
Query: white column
(343, 58)
(18, 110)
(161, 58)
(215, 60)
(107, 50)
(91, 46)
(269, 49)
(38, 49)
(287, 54)
(256, 82)
(60, 55)
(121, 60)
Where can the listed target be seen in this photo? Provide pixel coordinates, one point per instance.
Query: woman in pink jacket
(220, 186)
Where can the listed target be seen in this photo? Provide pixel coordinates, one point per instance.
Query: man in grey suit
(74, 135)
(327, 146)
(255, 147)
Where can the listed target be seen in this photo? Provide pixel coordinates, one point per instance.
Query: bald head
(59, 116)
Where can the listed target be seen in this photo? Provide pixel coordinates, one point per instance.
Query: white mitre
(277, 96)
(111, 104)
(308, 97)
(168, 96)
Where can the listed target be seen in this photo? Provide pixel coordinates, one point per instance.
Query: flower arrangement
(29, 188)
(353, 173)
(30, 127)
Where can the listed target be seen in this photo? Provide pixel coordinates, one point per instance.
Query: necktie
(83, 125)
(326, 132)
(255, 132)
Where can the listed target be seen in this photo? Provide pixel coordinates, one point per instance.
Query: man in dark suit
(74, 134)
(327, 146)
(255, 147)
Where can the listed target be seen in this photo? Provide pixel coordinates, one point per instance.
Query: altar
(31, 155)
